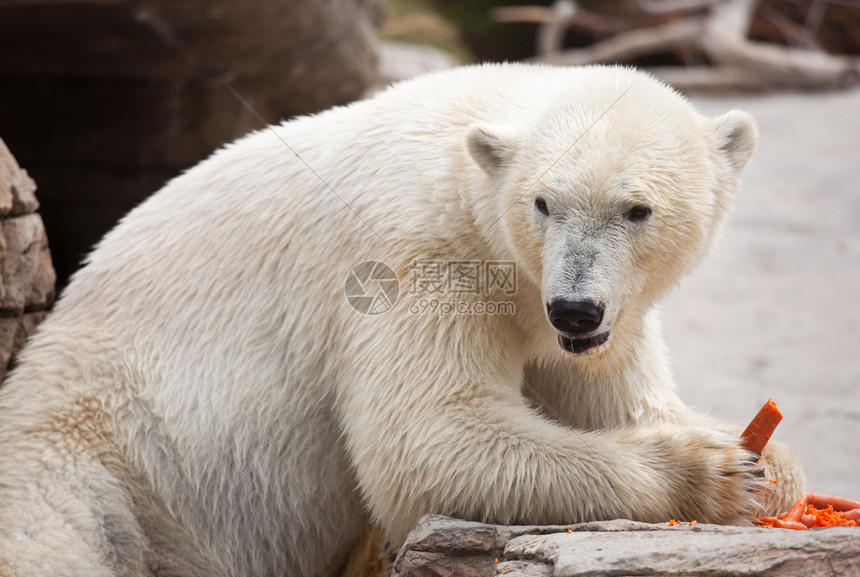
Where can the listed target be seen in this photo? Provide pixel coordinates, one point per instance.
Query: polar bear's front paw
(710, 478)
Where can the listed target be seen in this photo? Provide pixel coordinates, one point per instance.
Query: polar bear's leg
(66, 516)
(66, 491)
(79, 515)
(476, 450)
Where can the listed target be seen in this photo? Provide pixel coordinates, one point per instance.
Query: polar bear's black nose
(575, 317)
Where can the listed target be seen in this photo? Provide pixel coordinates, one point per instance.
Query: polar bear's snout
(575, 317)
(583, 286)
(575, 320)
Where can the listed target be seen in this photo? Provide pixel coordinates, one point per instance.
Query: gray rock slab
(441, 546)
(700, 550)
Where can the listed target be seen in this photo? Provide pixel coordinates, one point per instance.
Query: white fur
(204, 400)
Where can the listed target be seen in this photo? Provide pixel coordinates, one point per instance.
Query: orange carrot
(797, 510)
(839, 503)
(758, 432)
(796, 525)
(780, 523)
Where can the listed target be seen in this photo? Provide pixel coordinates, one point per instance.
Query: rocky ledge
(26, 272)
(441, 546)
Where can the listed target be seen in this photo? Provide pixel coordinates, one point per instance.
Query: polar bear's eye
(540, 204)
(638, 213)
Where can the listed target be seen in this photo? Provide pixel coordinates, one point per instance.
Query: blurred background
(102, 101)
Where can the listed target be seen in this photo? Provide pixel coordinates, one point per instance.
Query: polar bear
(438, 300)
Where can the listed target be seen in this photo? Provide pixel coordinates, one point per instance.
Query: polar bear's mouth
(587, 346)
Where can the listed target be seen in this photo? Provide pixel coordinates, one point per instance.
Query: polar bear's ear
(492, 148)
(736, 135)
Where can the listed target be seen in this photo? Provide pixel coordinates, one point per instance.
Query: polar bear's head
(609, 195)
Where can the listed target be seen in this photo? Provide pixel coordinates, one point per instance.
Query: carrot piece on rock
(766, 521)
(797, 510)
(839, 503)
(780, 523)
(796, 525)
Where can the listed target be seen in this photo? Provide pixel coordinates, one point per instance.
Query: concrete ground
(775, 311)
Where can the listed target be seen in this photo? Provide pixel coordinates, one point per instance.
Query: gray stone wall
(104, 102)
(26, 274)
